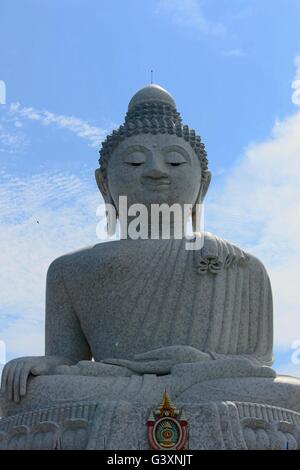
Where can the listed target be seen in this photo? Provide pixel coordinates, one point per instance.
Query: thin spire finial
(151, 72)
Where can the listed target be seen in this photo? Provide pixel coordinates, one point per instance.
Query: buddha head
(153, 158)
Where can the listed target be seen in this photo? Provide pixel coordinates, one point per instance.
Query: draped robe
(121, 298)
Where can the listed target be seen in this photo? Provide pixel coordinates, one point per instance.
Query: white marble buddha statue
(127, 319)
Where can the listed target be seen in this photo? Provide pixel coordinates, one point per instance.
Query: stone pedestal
(119, 425)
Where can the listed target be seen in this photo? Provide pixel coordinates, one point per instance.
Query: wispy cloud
(259, 208)
(41, 217)
(189, 13)
(11, 139)
(234, 53)
(296, 83)
(2, 92)
(92, 134)
(242, 13)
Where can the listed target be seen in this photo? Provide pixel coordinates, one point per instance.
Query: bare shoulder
(87, 261)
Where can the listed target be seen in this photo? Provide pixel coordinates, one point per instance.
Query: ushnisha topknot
(152, 110)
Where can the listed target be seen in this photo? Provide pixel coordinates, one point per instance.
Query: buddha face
(154, 169)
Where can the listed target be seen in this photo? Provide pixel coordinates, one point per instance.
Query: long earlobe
(100, 182)
(205, 185)
(205, 182)
(111, 219)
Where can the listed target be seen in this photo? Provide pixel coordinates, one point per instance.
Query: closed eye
(135, 158)
(175, 158)
(134, 163)
(177, 163)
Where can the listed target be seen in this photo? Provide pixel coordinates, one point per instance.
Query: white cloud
(233, 53)
(296, 83)
(93, 135)
(41, 217)
(189, 13)
(2, 92)
(11, 140)
(259, 208)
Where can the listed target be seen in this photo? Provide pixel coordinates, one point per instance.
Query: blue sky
(71, 67)
(230, 75)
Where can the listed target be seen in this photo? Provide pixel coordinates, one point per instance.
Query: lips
(156, 185)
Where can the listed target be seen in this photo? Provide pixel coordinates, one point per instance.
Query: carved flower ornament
(210, 264)
(214, 264)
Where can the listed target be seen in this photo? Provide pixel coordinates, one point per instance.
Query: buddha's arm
(65, 341)
(64, 336)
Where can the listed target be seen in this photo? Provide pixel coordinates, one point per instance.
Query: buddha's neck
(133, 230)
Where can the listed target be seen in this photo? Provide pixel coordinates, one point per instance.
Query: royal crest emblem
(167, 427)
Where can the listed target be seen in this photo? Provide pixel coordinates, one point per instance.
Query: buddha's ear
(103, 187)
(205, 182)
(101, 183)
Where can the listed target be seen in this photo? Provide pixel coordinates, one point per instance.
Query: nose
(154, 170)
(155, 174)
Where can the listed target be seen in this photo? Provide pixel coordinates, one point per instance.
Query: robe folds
(121, 298)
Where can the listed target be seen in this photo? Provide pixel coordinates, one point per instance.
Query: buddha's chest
(149, 302)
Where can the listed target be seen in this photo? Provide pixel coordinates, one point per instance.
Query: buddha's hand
(160, 361)
(221, 368)
(16, 373)
(93, 369)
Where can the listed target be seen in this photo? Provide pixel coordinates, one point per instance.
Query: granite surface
(126, 320)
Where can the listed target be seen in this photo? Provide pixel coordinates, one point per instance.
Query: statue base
(120, 425)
